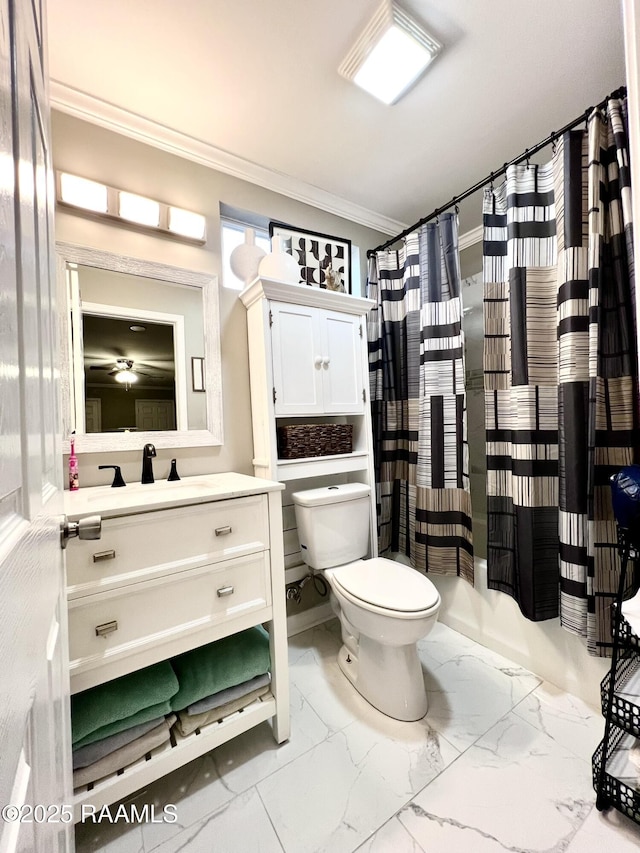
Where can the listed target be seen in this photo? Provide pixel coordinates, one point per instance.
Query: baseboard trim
(299, 622)
(292, 574)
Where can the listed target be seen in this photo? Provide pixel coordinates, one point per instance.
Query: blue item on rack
(625, 494)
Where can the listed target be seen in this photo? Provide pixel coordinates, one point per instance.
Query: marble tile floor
(501, 762)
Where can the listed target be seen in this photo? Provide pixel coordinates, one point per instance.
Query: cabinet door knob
(225, 590)
(318, 360)
(326, 361)
(223, 531)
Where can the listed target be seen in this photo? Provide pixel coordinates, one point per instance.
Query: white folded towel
(634, 754)
(631, 612)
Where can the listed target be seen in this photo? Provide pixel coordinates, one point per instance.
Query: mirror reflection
(129, 374)
(137, 338)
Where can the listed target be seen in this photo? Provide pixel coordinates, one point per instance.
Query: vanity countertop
(135, 497)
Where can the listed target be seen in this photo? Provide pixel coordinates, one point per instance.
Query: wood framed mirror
(128, 334)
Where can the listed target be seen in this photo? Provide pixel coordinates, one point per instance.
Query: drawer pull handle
(223, 531)
(104, 555)
(106, 628)
(225, 590)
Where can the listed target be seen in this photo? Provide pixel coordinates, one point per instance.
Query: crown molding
(79, 104)
(470, 238)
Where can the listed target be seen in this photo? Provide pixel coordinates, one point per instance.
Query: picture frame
(314, 253)
(197, 374)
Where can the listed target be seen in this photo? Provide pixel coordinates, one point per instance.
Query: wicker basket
(303, 440)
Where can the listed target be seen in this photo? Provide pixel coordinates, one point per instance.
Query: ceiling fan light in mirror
(125, 377)
(82, 192)
(186, 223)
(137, 208)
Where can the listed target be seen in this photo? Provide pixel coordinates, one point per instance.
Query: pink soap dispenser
(74, 482)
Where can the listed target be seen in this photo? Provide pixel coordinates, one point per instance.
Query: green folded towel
(142, 716)
(115, 701)
(219, 665)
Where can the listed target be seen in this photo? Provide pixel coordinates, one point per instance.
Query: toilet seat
(386, 587)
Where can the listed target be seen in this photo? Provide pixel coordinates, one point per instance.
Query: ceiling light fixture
(126, 376)
(93, 198)
(390, 55)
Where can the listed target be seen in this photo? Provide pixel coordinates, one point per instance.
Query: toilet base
(348, 663)
(389, 677)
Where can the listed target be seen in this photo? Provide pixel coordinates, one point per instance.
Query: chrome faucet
(148, 452)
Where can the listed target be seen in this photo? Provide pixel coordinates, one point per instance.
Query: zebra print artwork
(416, 362)
(560, 375)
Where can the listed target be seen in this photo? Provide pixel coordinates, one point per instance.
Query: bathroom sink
(110, 502)
(159, 487)
(164, 490)
(209, 483)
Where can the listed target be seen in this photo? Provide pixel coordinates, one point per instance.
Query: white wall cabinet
(317, 360)
(308, 363)
(178, 565)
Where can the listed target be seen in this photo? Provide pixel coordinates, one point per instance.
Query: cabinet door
(342, 378)
(297, 359)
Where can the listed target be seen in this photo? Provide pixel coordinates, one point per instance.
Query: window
(233, 234)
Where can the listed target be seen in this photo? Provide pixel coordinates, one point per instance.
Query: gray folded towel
(85, 755)
(189, 723)
(125, 755)
(228, 695)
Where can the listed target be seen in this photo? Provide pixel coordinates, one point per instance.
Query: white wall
(494, 619)
(631, 18)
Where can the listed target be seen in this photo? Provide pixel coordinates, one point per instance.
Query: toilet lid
(387, 584)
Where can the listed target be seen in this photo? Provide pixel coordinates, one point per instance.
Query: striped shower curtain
(416, 362)
(521, 389)
(560, 375)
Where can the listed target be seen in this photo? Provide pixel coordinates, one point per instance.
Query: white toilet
(384, 607)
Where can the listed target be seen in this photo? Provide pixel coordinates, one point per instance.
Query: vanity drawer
(127, 621)
(139, 547)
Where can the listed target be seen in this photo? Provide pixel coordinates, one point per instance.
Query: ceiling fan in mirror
(122, 371)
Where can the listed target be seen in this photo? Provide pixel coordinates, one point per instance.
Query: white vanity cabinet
(178, 565)
(317, 360)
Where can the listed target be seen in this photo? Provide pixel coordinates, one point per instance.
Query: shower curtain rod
(528, 152)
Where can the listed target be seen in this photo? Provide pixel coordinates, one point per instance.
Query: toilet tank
(333, 524)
